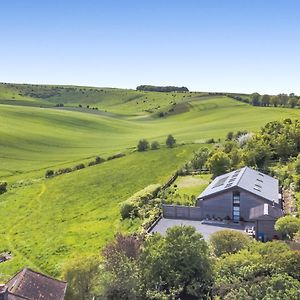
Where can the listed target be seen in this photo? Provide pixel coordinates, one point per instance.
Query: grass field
(45, 221)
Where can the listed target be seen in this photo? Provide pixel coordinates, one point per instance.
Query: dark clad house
(244, 195)
(31, 285)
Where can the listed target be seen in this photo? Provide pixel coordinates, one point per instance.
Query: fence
(182, 212)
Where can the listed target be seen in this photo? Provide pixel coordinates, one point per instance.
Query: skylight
(220, 182)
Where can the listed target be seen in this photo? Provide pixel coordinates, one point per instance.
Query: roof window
(220, 182)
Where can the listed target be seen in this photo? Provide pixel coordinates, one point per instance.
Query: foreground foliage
(228, 242)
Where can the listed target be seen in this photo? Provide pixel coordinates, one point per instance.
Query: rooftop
(248, 179)
(31, 285)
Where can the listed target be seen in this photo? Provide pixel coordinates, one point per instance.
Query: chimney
(3, 292)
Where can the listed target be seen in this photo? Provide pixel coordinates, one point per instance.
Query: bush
(170, 141)
(228, 242)
(3, 187)
(79, 167)
(128, 209)
(143, 145)
(154, 145)
(210, 141)
(49, 173)
(288, 226)
(99, 160)
(63, 171)
(131, 206)
(229, 136)
(118, 155)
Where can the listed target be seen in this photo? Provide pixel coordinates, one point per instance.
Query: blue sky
(213, 45)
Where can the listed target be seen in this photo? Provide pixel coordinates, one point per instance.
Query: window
(236, 206)
(220, 182)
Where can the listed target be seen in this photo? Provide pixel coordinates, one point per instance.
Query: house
(31, 285)
(234, 194)
(243, 195)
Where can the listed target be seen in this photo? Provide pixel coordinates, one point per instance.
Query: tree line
(282, 100)
(144, 145)
(165, 89)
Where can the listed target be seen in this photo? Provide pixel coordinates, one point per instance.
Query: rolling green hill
(43, 222)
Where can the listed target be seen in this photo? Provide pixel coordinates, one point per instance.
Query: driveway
(201, 226)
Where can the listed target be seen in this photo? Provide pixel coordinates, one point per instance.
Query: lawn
(192, 185)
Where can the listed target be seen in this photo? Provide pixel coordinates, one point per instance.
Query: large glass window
(236, 207)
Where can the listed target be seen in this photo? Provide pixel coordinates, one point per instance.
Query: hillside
(45, 221)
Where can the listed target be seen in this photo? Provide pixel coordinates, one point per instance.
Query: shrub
(79, 167)
(143, 145)
(99, 160)
(228, 242)
(128, 209)
(210, 141)
(49, 173)
(118, 155)
(288, 226)
(170, 141)
(154, 145)
(3, 187)
(63, 171)
(131, 206)
(229, 136)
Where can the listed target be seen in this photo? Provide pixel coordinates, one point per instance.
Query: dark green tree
(3, 187)
(218, 163)
(265, 100)
(143, 145)
(177, 266)
(154, 145)
(170, 141)
(255, 99)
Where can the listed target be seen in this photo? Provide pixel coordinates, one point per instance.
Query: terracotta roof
(31, 285)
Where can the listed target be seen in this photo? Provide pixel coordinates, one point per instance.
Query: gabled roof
(265, 211)
(31, 285)
(248, 179)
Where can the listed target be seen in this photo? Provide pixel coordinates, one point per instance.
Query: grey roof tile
(248, 179)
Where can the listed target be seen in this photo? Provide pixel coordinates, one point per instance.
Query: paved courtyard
(201, 226)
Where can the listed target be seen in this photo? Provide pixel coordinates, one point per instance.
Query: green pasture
(33, 139)
(47, 222)
(43, 222)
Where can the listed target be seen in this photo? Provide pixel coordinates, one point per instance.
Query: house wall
(266, 227)
(220, 205)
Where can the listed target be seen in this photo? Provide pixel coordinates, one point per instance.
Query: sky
(212, 45)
